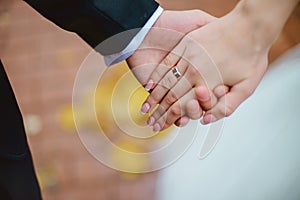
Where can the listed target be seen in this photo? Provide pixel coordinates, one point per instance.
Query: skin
(170, 28)
(231, 51)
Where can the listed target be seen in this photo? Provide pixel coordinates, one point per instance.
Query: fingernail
(150, 121)
(149, 85)
(208, 119)
(145, 108)
(156, 127)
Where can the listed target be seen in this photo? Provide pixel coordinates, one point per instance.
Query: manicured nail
(156, 127)
(149, 85)
(145, 108)
(208, 119)
(150, 121)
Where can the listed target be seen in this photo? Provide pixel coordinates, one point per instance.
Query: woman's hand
(227, 52)
(230, 51)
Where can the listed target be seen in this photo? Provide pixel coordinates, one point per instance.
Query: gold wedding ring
(176, 73)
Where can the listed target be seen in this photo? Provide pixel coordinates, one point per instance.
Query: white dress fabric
(258, 155)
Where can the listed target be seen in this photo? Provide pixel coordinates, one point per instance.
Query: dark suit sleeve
(98, 20)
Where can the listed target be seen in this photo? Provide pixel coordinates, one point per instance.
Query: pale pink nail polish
(145, 108)
(150, 121)
(156, 127)
(149, 85)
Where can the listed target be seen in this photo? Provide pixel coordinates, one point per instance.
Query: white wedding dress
(257, 156)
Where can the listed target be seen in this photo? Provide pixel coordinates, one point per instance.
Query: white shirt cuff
(135, 42)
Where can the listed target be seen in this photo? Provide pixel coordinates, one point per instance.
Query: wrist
(264, 19)
(261, 28)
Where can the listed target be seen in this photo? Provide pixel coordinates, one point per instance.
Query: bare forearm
(266, 17)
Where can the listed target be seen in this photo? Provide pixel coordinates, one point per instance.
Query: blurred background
(42, 61)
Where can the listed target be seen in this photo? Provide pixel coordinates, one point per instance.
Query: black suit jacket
(94, 21)
(97, 20)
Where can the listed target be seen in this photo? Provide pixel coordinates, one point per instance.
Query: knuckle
(163, 120)
(175, 111)
(169, 122)
(227, 110)
(195, 116)
(168, 60)
(171, 98)
(154, 76)
(220, 111)
(153, 98)
(220, 91)
(156, 115)
(166, 82)
(160, 110)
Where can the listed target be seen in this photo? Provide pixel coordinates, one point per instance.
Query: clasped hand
(204, 69)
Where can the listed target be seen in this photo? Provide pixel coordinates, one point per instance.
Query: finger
(179, 90)
(174, 113)
(205, 101)
(193, 109)
(183, 121)
(190, 78)
(158, 112)
(228, 103)
(205, 97)
(220, 90)
(168, 62)
(170, 99)
(163, 87)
